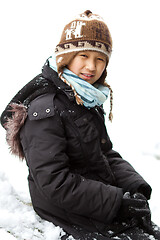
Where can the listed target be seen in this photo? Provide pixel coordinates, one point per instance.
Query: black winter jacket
(75, 178)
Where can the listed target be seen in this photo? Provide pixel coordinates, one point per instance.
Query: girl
(56, 122)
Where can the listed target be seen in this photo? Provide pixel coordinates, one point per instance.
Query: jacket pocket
(41, 107)
(86, 128)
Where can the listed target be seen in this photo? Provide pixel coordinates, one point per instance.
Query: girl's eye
(83, 55)
(101, 59)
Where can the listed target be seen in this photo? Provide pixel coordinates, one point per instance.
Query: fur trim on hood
(13, 126)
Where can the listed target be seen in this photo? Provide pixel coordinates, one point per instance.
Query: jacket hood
(46, 82)
(15, 114)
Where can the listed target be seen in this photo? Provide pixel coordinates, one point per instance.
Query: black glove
(133, 207)
(145, 220)
(140, 196)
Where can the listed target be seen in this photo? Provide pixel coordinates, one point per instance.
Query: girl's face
(88, 65)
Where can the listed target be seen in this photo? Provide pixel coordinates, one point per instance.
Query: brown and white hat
(86, 32)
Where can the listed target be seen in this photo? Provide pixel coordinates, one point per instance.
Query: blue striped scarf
(91, 95)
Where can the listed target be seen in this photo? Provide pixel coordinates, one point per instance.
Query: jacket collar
(50, 74)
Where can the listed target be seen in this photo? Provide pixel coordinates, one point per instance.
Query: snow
(6, 235)
(29, 33)
(17, 216)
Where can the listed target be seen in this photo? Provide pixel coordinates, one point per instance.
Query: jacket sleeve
(126, 176)
(45, 144)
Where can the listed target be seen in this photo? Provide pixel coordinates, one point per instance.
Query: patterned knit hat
(87, 32)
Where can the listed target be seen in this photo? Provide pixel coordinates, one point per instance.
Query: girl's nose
(91, 65)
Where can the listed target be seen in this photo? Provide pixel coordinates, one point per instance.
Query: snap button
(85, 119)
(103, 140)
(71, 94)
(35, 114)
(48, 110)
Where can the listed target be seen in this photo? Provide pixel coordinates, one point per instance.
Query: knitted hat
(86, 32)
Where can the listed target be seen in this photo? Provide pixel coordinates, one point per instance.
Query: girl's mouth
(87, 76)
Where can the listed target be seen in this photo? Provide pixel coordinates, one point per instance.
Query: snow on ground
(18, 218)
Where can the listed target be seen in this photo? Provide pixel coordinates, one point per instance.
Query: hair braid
(77, 97)
(111, 102)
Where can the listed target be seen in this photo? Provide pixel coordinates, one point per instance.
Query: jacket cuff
(146, 190)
